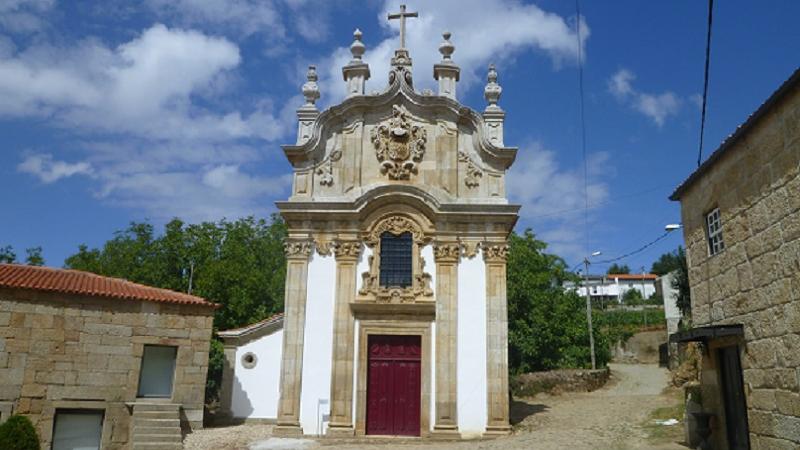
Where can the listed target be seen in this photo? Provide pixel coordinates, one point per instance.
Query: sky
(118, 111)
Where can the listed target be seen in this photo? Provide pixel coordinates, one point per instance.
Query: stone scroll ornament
(325, 171)
(399, 144)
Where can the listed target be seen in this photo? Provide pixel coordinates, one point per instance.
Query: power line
(637, 251)
(705, 82)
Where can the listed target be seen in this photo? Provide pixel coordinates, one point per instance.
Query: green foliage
(547, 325)
(681, 283)
(621, 324)
(7, 255)
(17, 433)
(668, 262)
(616, 269)
(632, 297)
(34, 256)
(216, 358)
(240, 265)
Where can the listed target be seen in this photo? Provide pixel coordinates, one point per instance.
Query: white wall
(256, 390)
(430, 267)
(318, 344)
(471, 363)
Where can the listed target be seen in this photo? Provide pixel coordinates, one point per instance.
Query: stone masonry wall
(63, 351)
(755, 281)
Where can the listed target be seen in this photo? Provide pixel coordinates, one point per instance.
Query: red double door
(393, 385)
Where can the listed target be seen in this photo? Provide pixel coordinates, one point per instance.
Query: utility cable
(705, 82)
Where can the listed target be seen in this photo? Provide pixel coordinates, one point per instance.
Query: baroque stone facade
(391, 165)
(754, 181)
(66, 351)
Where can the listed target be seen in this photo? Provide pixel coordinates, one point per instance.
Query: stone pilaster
(341, 414)
(228, 374)
(447, 255)
(297, 254)
(494, 255)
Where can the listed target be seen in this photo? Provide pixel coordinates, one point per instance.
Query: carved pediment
(399, 144)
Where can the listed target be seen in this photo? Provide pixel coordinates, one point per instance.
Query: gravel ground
(608, 419)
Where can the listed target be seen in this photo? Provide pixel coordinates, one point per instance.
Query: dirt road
(612, 418)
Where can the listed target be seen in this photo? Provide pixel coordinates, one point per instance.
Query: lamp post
(589, 307)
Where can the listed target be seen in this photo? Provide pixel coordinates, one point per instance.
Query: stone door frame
(394, 327)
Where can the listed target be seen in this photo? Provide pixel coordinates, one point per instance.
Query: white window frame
(714, 232)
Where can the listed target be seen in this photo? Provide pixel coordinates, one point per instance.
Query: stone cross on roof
(402, 16)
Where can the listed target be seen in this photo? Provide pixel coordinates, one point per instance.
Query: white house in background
(252, 370)
(670, 296)
(613, 287)
(395, 318)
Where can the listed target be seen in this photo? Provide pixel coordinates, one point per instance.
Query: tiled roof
(632, 276)
(252, 327)
(790, 84)
(66, 281)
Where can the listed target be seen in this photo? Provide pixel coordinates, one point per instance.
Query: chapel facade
(395, 318)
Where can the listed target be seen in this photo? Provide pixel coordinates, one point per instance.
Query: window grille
(714, 231)
(396, 260)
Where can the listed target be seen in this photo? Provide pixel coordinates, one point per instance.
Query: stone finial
(493, 115)
(493, 90)
(357, 48)
(446, 48)
(446, 71)
(356, 72)
(310, 88)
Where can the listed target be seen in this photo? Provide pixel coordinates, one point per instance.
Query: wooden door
(733, 398)
(393, 385)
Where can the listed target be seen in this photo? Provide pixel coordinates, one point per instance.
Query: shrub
(17, 433)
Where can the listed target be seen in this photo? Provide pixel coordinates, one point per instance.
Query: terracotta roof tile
(84, 283)
(632, 276)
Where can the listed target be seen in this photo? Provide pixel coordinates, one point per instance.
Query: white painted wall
(318, 345)
(256, 390)
(430, 267)
(471, 362)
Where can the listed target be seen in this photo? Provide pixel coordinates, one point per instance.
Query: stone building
(98, 362)
(741, 221)
(395, 316)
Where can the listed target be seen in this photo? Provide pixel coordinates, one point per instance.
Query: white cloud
(24, 16)
(48, 170)
(483, 32)
(552, 197)
(658, 107)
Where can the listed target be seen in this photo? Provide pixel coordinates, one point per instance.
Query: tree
(632, 297)
(619, 270)
(7, 255)
(18, 433)
(34, 257)
(681, 283)
(667, 262)
(547, 324)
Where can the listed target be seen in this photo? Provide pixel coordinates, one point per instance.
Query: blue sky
(114, 111)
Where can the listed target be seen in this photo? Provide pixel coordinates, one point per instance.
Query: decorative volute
(308, 113)
(493, 115)
(446, 71)
(356, 72)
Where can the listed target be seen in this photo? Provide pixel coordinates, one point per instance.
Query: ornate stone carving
(495, 252)
(347, 249)
(399, 144)
(396, 225)
(471, 248)
(473, 175)
(446, 252)
(325, 171)
(297, 249)
(324, 246)
(420, 281)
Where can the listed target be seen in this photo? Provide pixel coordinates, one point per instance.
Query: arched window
(396, 260)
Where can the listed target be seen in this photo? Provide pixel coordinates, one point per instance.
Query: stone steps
(156, 426)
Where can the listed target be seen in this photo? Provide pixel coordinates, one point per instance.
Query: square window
(396, 260)
(158, 371)
(714, 232)
(77, 429)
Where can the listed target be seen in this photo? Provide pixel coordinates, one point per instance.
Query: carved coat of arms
(399, 144)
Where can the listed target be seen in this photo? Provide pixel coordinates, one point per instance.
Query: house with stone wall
(741, 222)
(99, 362)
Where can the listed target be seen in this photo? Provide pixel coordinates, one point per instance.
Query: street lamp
(672, 227)
(589, 306)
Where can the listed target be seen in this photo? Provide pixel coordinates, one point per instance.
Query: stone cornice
(399, 92)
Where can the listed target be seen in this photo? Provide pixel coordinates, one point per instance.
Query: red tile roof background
(632, 276)
(84, 283)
